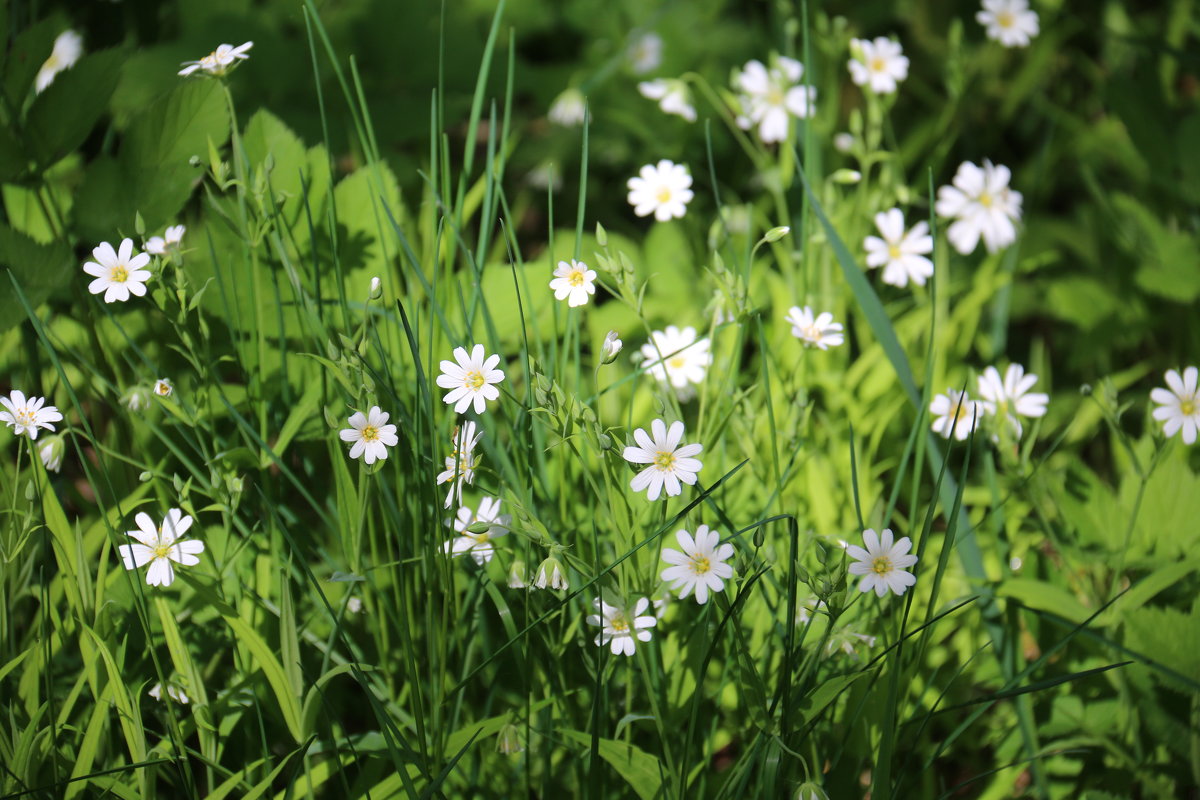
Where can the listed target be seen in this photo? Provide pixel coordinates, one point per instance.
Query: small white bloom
(662, 189)
(218, 61)
(677, 357)
(669, 463)
(1179, 405)
(51, 452)
(551, 575)
(516, 575)
(673, 96)
(508, 740)
(818, 331)
(479, 545)
(849, 641)
(375, 290)
(354, 605)
(1010, 398)
(68, 47)
(371, 434)
(547, 175)
(118, 273)
(882, 564)
(771, 96)
(843, 142)
(573, 282)
(900, 253)
(611, 347)
(982, 205)
(1015, 563)
(569, 109)
(471, 379)
(460, 464)
(159, 546)
(169, 241)
(137, 398)
(809, 606)
(1009, 22)
(701, 566)
(174, 692)
(620, 626)
(163, 387)
(878, 64)
(645, 53)
(956, 414)
(27, 415)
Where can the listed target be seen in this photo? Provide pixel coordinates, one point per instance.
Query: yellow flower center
(25, 417)
(619, 623)
(775, 96)
(480, 538)
(576, 277)
(1187, 407)
(893, 252)
(664, 195)
(878, 64)
(474, 380)
(881, 565)
(51, 62)
(812, 333)
(162, 550)
(1005, 19)
(370, 433)
(985, 200)
(700, 565)
(664, 460)
(677, 362)
(119, 274)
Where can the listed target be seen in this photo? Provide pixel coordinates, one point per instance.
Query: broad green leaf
(289, 705)
(62, 116)
(38, 268)
(26, 56)
(1044, 597)
(642, 771)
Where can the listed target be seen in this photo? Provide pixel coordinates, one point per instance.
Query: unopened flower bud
(846, 176)
(551, 575)
(843, 142)
(51, 452)
(611, 347)
(376, 288)
(775, 234)
(508, 741)
(516, 575)
(137, 398)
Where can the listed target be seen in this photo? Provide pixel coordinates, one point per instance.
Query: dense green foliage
(1049, 647)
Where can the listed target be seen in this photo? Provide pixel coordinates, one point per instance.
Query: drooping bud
(611, 347)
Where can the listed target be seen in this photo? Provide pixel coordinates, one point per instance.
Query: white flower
(956, 414)
(545, 176)
(551, 575)
(673, 96)
(701, 566)
(611, 347)
(669, 463)
(354, 605)
(479, 545)
(51, 452)
(218, 61)
(982, 205)
(848, 641)
(879, 64)
(371, 435)
(27, 415)
(470, 379)
(568, 109)
(901, 254)
(882, 564)
(771, 95)
(516, 575)
(809, 606)
(174, 692)
(137, 398)
(68, 47)
(375, 290)
(460, 464)
(1009, 22)
(163, 387)
(676, 356)
(843, 142)
(645, 53)
(1179, 407)
(1010, 398)
(573, 282)
(170, 240)
(159, 546)
(620, 626)
(661, 189)
(118, 273)
(819, 331)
